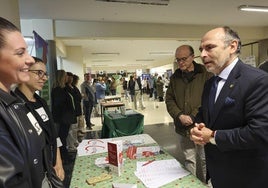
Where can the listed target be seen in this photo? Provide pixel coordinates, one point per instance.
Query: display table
(116, 124)
(112, 98)
(85, 167)
(109, 104)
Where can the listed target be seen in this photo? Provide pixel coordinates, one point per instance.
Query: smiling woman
(21, 155)
(14, 58)
(40, 110)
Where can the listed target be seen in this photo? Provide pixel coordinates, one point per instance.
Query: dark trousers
(155, 94)
(63, 133)
(113, 91)
(151, 92)
(88, 107)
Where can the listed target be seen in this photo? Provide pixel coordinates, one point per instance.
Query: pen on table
(148, 162)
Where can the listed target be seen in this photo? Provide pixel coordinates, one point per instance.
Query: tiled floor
(157, 123)
(154, 113)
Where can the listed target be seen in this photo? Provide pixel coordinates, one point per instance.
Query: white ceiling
(190, 12)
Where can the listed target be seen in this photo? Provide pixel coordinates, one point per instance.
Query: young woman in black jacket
(40, 110)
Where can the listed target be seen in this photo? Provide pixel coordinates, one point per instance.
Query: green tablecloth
(117, 125)
(85, 168)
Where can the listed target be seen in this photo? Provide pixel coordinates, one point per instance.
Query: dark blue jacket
(240, 118)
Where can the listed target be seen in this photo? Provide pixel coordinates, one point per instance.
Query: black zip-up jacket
(20, 157)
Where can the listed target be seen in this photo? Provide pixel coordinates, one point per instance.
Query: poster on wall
(40, 47)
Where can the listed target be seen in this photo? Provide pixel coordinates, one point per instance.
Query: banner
(40, 47)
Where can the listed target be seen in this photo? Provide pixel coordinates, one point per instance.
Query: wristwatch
(212, 138)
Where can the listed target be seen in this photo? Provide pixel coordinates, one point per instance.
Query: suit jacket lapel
(225, 92)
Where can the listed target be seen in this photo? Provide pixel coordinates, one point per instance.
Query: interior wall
(263, 50)
(73, 62)
(251, 50)
(10, 10)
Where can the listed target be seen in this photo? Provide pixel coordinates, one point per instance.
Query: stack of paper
(159, 173)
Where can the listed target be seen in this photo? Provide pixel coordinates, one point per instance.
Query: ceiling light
(101, 60)
(144, 59)
(106, 54)
(133, 65)
(142, 2)
(253, 8)
(161, 53)
(100, 65)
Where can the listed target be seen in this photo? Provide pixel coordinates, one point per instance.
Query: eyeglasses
(183, 59)
(40, 73)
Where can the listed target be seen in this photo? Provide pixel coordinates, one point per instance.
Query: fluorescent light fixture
(253, 8)
(101, 60)
(101, 65)
(144, 59)
(161, 53)
(134, 65)
(142, 2)
(106, 54)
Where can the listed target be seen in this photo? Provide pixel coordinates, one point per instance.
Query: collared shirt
(224, 75)
(137, 88)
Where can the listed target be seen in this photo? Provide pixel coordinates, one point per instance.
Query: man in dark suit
(235, 132)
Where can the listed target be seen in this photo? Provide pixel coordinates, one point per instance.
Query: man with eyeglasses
(183, 98)
(234, 133)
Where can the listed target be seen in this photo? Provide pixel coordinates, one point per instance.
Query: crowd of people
(219, 109)
(131, 88)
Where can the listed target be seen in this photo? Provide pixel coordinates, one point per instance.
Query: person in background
(93, 86)
(131, 87)
(125, 87)
(113, 86)
(78, 108)
(183, 98)
(40, 110)
(151, 86)
(155, 77)
(22, 139)
(166, 83)
(135, 91)
(72, 139)
(88, 98)
(234, 127)
(144, 85)
(147, 85)
(100, 92)
(108, 85)
(160, 88)
(264, 65)
(62, 111)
